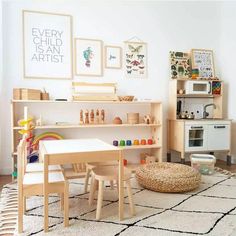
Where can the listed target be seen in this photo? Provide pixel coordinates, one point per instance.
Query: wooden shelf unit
(155, 108)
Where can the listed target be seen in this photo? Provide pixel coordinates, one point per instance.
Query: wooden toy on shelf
(39, 121)
(102, 116)
(86, 117)
(92, 116)
(117, 121)
(97, 117)
(81, 117)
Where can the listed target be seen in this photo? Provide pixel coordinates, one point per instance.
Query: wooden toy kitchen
(196, 122)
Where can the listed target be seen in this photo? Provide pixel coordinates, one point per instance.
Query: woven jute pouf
(168, 177)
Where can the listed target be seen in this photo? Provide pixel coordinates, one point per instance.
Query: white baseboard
(5, 171)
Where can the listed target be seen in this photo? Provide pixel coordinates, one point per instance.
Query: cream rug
(210, 210)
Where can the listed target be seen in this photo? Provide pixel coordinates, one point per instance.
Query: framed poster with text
(47, 45)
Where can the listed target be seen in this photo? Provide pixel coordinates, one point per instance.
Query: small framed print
(47, 45)
(113, 57)
(203, 61)
(135, 60)
(88, 57)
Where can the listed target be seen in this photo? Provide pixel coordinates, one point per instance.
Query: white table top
(76, 146)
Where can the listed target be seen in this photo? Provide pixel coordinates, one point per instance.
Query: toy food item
(125, 162)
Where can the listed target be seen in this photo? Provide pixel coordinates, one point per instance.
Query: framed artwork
(180, 65)
(47, 45)
(113, 57)
(203, 61)
(88, 57)
(135, 59)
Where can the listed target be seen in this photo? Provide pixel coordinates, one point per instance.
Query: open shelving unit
(75, 130)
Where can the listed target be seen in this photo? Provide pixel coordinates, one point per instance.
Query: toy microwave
(198, 87)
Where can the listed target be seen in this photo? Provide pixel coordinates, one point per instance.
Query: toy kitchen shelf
(197, 135)
(76, 130)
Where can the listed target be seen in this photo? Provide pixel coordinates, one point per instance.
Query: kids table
(72, 151)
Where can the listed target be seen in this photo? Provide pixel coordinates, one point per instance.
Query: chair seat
(109, 173)
(37, 178)
(91, 165)
(38, 167)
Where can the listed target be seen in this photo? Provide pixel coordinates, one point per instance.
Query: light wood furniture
(67, 151)
(30, 184)
(90, 167)
(100, 174)
(178, 129)
(176, 84)
(153, 108)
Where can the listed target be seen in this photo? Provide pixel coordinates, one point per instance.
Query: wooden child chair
(108, 173)
(90, 166)
(31, 184)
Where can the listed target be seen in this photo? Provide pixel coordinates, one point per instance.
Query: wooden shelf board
(89, 126)
(108, 102)
(184, 79)
(197, 96)
(140, 146)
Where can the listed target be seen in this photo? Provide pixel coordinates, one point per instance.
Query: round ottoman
(168, 177)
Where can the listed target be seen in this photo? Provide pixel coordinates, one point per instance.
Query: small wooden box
(17, 94)
(44, 96)
(30, 94)
(132, 118)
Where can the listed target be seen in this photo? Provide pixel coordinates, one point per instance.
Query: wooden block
(17, 94)
(30, 94)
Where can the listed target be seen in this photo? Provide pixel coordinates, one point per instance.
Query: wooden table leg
(45, 191)
(121, 186)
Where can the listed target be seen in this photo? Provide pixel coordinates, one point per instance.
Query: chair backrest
(21, 159)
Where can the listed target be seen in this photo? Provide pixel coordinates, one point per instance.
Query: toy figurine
(92, 116)
(147, 119)
(81, 118)
(97, 117)
(39, 121)
(102, 116)
(86, 117)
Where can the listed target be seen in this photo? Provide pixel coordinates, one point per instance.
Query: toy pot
(143, 142)
(115, 143)
(150, 141)
(122, 142)
(128, 142)
(136, 142)
(125, 162)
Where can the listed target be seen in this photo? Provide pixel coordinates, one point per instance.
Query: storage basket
(204, 163)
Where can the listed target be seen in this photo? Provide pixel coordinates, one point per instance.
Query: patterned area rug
(210, 210)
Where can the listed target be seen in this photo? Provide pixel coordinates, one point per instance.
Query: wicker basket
(126, 98)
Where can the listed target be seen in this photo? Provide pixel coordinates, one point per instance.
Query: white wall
(164, 26)
(227, 61)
